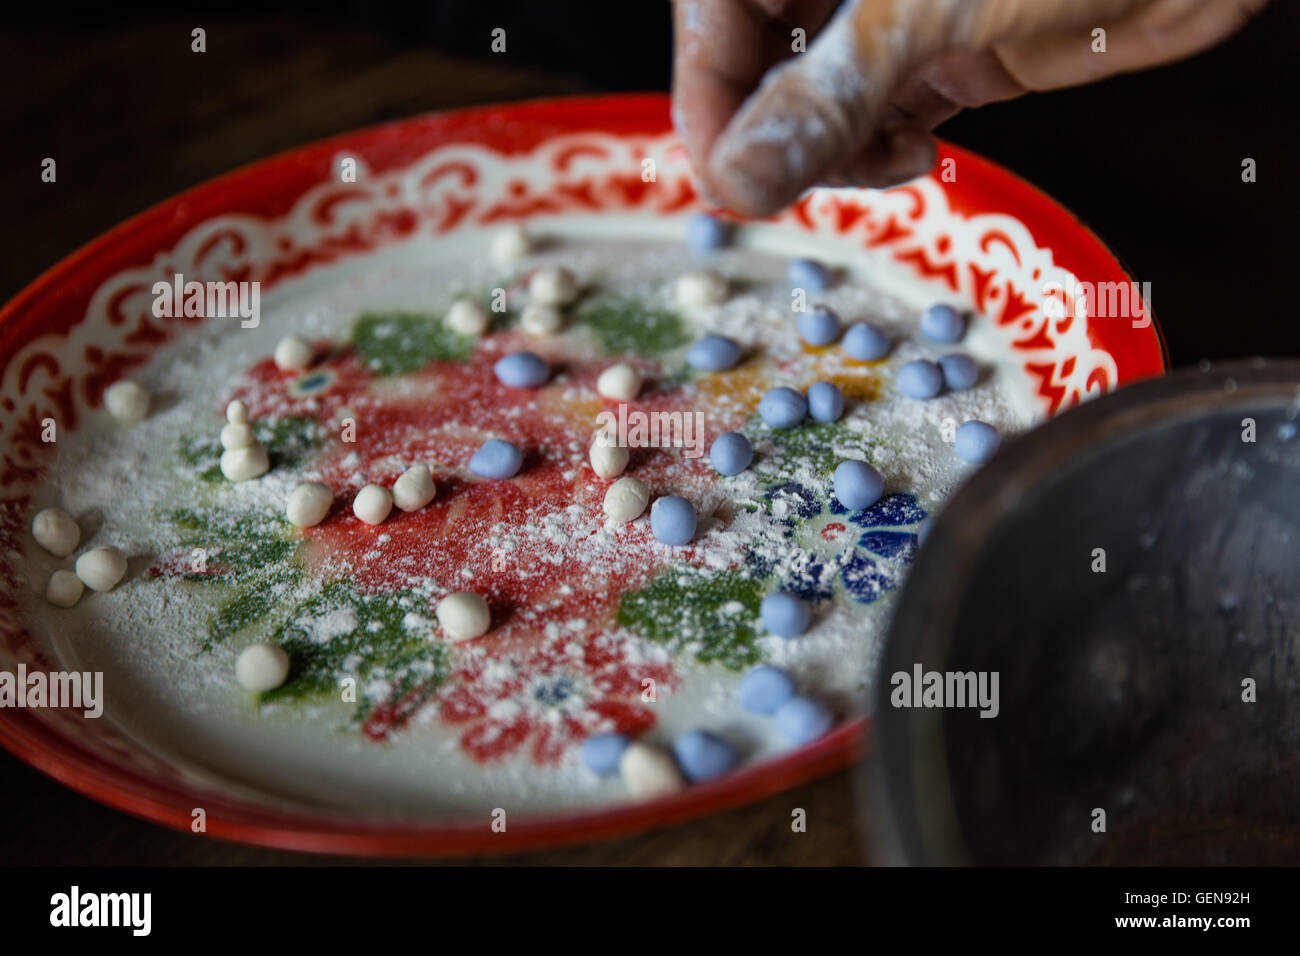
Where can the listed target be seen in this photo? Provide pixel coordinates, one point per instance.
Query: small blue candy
(785, 614)
(865, 342)
(731, 453)
(713, 353)
(976, 441)
(672, 519)
(522, 370)
(959, 371)
(783, 407)
(808, 275)
(705, 233)
(920, 379)
(602, 752)
(764, 689)
(703, 756)
(496, 459)
(857, 484)
(942, 323)
(802, 720)
(821, 326)
(825, 402)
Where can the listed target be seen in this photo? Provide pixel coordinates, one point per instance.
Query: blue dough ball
(976, 441)
(943, 323)
(959, 371)
(821, 326)
(705, 233)
(703, 756)
(731, 453)
(857, 484)
(808, 275)
(672, 519)
(602, 752)
(802, 720)
(920, 379)
(764, 689)
(783, 407)
(522, 370)
(713, 353)
(865, 342)
(784, 614)
(825, 402)
(496, 459)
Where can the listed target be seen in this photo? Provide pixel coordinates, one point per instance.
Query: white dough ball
(237, 435)
(126, 401)
(308, 504)
(293, 354)
(539, 319)
(241, 464)
(621, 382)
(467, 317)
(626, 499)
(608, 458)
(101, 568)
(553, 285)
(372, 504)
(65, 589)
(649, 772)
(414, 489)
(56, 531)
(704, 287)
(261, 667)
(464, 615)
(511, 243)
(237, 413)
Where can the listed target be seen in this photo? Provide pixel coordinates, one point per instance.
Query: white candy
(56, 531)
(649, 772)
(292, 354)
(308, 504)
(372, 504)
(241, 464)
(464, 615)
(621, 382)
(101, 568)
(553, 285)
(467, 317)
(626, 499)
(539, 319)
(608, 458)
(126, 401)
(237, 435)
(237, 413)
(511, 243)
(414, 489)
(261, 667)
(704, 287)
(64, 589)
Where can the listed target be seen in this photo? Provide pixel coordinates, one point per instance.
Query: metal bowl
(1130, 571)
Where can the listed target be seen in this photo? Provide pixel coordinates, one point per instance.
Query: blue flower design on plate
(886, 542)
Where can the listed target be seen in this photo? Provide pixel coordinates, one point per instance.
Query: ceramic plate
(388, 738)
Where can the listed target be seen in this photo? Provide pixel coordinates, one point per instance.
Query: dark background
(1152, 162)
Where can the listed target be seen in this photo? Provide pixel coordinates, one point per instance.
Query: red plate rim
(57, 300)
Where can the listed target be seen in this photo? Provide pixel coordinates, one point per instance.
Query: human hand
(764, 123)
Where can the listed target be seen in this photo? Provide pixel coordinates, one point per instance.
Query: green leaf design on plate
(711, 616)
(623, 326)
(342, 633)
(394, 343)
(821, 445)
(288, 442)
